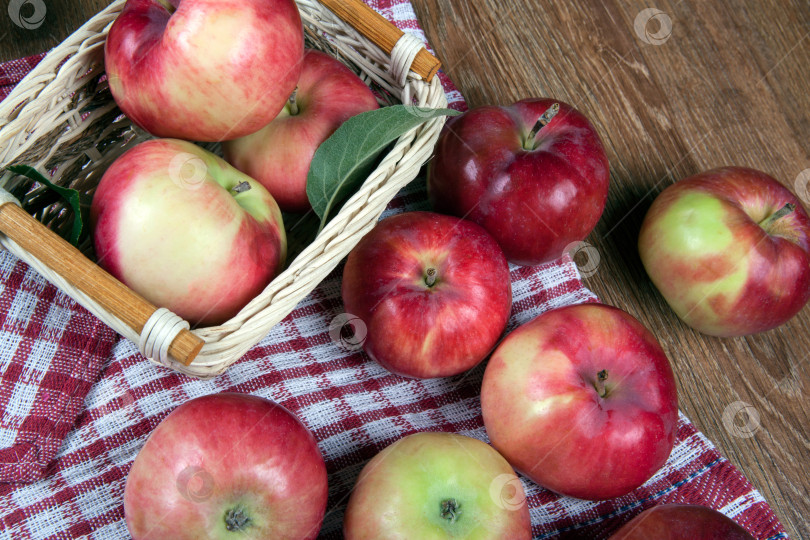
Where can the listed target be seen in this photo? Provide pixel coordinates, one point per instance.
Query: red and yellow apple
(279, 154)
(729, 250)
(681, 522)
(204, 70)
(533, 174)
(433, 291)
(582, 400)
(437, 486)
(227, 466)
(186, 230)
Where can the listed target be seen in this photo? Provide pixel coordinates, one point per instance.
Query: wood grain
(727, 86)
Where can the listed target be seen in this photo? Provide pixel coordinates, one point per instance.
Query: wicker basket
(61, 119)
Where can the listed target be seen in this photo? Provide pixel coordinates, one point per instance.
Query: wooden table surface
(700, 85)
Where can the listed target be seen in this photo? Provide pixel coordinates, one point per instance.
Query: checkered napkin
(63, 369)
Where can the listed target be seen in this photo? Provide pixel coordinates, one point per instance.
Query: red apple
(186, 230)
(729, 250)
(681, 522)
(437, 485)
(227, 466)
(204, 70)
(533, 174)
(278, 155)
(582, 400)
(433, 291)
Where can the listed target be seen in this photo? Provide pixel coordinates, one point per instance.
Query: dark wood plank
(728, 86)
(31, 34)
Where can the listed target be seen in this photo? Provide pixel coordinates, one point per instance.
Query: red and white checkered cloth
(79, 402)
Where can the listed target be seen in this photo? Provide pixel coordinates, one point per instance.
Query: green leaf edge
(71, 196)
(338, 142)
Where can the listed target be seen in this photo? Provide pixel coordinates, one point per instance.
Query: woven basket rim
(228, 342)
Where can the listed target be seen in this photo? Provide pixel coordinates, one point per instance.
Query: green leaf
(345, 159)
(71, 196)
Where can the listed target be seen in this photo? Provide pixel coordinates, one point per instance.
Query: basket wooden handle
(79, 271)
(381, 32)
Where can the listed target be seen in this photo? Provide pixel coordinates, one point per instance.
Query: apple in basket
(186, 230)
(227, 466)
(681, 522)
(278, 155)
(729, 250)
(437, 485)
(433, 291)
(204, 70)
(582, 400)
(533, 174)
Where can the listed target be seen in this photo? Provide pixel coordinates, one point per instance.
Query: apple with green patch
(729, 250)
(187, 231)
(437, 486)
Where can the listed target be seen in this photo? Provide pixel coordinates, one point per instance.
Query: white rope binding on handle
(158, 333)
(6, 197)
(403, 55)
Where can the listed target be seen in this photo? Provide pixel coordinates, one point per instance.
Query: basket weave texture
(61, 119)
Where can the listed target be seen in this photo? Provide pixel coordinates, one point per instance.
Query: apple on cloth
(681, 522)
(204, 70)
(187, 231)
(433, 292)
(582, 400)
(259, 474)
(533, 174)
(433, 486)
(729, 250)
(279, 154)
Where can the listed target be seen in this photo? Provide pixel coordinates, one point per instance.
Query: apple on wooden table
(227, 466)
(279, 154)
(533, 174)
(186, 230)
(681, 522)
(435, 486)
(582, 400)
(729, 250)
(434, 292)
(204, 70)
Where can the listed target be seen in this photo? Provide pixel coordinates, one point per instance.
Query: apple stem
(430, 277)
(451, 509)
(601, 377)
(292, 103)
(236, 519)
(241, 187)
(544, 119)
(779, 214)
(168, 5)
